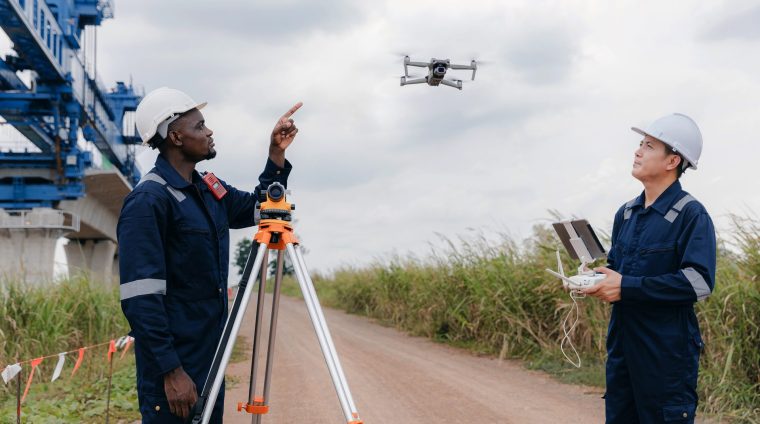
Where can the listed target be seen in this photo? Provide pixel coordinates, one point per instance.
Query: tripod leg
(273, 322)
(257, 333)
(328, 336)
(231, 330)
(323, 335)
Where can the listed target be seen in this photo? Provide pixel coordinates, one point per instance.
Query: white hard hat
(159, 108)
(680, 133)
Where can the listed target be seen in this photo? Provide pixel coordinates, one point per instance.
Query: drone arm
(405, 81)
(455, 83)
(419, 64)
(473, 65)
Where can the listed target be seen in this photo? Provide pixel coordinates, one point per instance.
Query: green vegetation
(45, 320)
(80, 399)
(495, 298)
(492, 298)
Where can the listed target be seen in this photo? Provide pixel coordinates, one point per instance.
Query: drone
(437, 72)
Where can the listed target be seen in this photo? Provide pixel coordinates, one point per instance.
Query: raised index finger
(293, 110)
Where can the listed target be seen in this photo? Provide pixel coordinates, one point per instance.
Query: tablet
(580, 240)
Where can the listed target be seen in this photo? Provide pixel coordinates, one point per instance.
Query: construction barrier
(14, 370)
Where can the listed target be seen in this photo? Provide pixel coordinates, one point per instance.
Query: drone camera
(439, 68)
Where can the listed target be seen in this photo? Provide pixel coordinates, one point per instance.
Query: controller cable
(566, 340)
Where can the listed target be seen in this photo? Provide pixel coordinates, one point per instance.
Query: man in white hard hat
(173, 235)
(661, 262)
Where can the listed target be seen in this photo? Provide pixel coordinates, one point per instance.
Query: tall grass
(40, 320)
(496, 298)
(37, 320)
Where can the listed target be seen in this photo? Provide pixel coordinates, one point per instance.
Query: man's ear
(674, 161)
(175, 138)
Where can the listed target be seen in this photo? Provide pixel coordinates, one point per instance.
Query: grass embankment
(496, 299)
(44, 320)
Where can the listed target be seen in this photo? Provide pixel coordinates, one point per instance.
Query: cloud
(252, 22)
(381, 168)
(744, 25)
(544, 55)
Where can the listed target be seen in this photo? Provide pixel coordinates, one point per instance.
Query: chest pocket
(657, 259)
(194, 264)
(196, 243)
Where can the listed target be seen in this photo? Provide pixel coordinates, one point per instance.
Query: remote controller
(580, 281)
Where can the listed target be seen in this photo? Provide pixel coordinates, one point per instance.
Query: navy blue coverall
(666, 255)
(173, 260)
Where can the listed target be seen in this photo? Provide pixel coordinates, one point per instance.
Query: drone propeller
(402, 56)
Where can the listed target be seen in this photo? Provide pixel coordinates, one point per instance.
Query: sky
(380, 169)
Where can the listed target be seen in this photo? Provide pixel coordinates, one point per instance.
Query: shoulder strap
(678, 207)
(153, 177)
(628, 206)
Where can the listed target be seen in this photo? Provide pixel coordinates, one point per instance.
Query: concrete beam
(99, 209)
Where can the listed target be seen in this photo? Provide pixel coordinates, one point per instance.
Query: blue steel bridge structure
(50, 93)
(62, 100)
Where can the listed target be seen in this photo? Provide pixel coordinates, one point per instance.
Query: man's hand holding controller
(608, 289)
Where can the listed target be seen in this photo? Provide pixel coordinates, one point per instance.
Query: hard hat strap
(163, 127)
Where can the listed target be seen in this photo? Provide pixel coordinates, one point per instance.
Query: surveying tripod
(275, 233)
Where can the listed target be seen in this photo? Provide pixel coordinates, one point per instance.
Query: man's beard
(211, 154)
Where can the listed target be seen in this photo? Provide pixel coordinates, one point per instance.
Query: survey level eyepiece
(276, 191)
(273, 204)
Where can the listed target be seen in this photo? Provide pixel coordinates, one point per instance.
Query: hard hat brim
(639, 130)
(644, 133)
(199, 106)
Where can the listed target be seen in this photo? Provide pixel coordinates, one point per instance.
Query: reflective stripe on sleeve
(142, 287)
(698, 283)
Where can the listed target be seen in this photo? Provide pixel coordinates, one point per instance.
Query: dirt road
(397, 379)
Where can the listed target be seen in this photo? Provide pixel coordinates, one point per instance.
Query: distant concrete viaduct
(28, 237)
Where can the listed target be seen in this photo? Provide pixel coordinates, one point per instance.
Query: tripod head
(273, 204)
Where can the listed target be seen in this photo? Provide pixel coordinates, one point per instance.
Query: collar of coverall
(665, 201)
(171, 175)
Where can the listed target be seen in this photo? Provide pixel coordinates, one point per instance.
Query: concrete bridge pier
(94, 258)
(27, 242)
